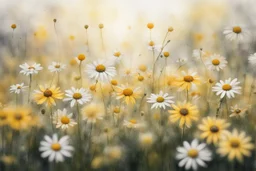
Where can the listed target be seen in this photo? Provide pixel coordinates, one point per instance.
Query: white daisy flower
(216, 62)
(17, 88)
(198, 53)
(252, 59)
(30, 69)
(80, 96)
(116, 56)
(160, 100)
(236, 33)
(56, 67)
(228, 87)
(193, 155)
(101, 70)
(55, 149)
(62, 119)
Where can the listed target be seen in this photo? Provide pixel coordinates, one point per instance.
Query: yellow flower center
(3, 117)
(226, 87)
(18, 116)
(56, 147)
(127, 92)
(160, 99)
(133, 121)
(166, 54)
(47, 93)
(31, 67)
(188, 78)
(150, 25)
(235, 143)
(215, 62)
(151, 43)
(100, 68)
(81, 57)
(237, 111)
(65, 120)
(116, 110)
(19, 87)
(193, 153)
(114, 82)
(237, 29)
(57, 66)
(92, 87)
(77, 78)
(77, 96)
(106, 130)
(214, 129)
(140, 78)
(183, 111)
(117, 54)
(127, 72)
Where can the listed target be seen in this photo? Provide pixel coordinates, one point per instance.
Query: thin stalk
(87, 41)
(102, 42)
(80, 73)
(29, 90)
(219, 107)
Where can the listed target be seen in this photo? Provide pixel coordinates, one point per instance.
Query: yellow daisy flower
(213, 129)
(19, 118)
(187, 80)
(235, 146)
(184, 113)
(3, 117)
(47, 95)
(129, 94)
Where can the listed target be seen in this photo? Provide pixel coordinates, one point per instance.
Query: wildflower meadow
(127, 85)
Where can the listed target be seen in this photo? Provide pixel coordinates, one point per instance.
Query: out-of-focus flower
(92, 113)
(48, 95)
(193, 155)
(237, 111)
(63, 120)
(184, 113)
(235, 145)
(19, 117)
(18, 88)
(143, 68)
(127, 93)
(146, 139)
(30, 69)
(181, 61)
(101, 70)
(160, 100)
(112, 153)
(55, 149)
(4, 117)
(216, 62)
(132, 123)
(187, 80)
(213, 129)
(236, 33)
(56, 67)
(8, 160)
(153, 47)
(252, 59)
(97, 162)
(80, 96)
(227, 88)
